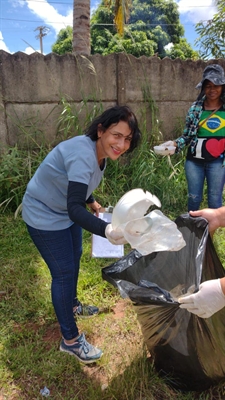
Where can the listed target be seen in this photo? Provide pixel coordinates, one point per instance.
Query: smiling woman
(54, 209)
(113, 144)
(204, 134)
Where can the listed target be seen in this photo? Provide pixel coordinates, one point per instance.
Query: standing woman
(54, 209)
(204, 133)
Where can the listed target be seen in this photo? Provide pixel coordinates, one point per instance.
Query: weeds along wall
(34, 89)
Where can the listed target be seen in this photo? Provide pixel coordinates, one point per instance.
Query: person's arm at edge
(215, 217)
(222, 283)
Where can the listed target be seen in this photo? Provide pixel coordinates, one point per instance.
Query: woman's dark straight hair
(114, 115)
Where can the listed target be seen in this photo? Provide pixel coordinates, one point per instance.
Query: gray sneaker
(82, 350)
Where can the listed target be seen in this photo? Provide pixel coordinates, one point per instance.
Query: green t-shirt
(211, 137)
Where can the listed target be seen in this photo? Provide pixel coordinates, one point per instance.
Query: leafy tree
(136, 43)
(182, 50)
(212, 34)
(152, 25)
(81, 22)
(63, 43)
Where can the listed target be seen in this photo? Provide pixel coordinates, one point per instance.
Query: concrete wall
(31, 87)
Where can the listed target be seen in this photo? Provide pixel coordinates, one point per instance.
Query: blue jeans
(61, 250)
(196, 174)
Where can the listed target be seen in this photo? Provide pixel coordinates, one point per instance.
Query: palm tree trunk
(81, 27)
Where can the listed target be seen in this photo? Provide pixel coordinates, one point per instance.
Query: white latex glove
(207, 301)
(114, 236)
(165, 149)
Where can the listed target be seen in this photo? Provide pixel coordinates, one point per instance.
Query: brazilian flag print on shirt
(211, 136)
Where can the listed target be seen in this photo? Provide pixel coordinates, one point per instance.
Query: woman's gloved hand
(207, 301)
(165, 149)
(114, 236)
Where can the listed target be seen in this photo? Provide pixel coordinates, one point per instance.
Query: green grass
(30, 336)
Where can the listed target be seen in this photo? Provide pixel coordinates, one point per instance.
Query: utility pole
(42, 32)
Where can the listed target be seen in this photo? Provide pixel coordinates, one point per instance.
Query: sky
(21, 20)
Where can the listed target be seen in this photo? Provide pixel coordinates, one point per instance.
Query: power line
(100, 6)
(28, 20)
(103, 24)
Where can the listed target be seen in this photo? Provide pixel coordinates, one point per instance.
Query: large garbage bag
(189, 350)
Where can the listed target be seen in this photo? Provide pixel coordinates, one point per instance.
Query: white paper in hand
(101, 247)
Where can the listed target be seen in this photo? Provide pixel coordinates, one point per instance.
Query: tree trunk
(81, 27)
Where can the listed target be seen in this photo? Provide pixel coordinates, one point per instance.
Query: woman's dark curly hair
(114, 115)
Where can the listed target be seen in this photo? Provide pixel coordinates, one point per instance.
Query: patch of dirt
(117, 333)
(119, 336)
(52, 334)
(119, 309)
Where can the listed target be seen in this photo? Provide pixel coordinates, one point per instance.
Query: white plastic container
(145, 232)
(132, 205)
(164, 151)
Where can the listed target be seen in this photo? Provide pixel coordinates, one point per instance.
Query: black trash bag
(187, 349)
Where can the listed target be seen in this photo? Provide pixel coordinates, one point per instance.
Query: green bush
(162, 176)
